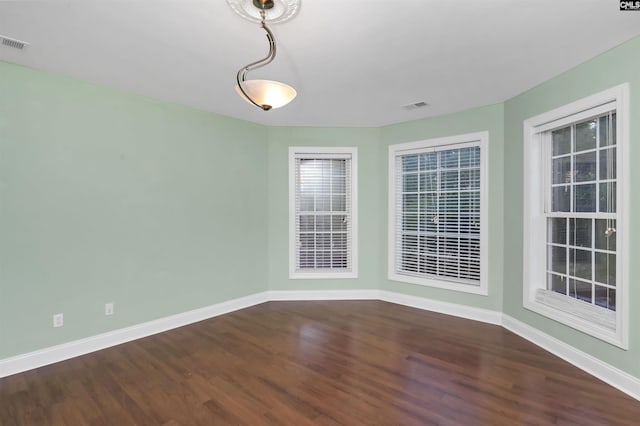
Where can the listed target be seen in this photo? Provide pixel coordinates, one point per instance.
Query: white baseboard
(603, 371)
(39, 358)
(463, 311)
(282, 295)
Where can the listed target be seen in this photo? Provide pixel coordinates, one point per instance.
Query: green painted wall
(614, 67)
(370, 204)
(111, 197)
(488, 118)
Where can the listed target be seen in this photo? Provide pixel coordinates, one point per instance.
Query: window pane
(470, 157)
(449, 159)
(580, 265)
(583, 290)
(323, 203)
(470, 179)
(338, 203)
(580, 232)
(557, 230)
(449, 180)
(307, 223)
(562, 170)
(339, 222)
(557, 258)
(306, 203)
(605, 297)
(323, 241)
(428, 203)
(585, 167)
(584, 198)
(561, 141)
(428, 182)
(410, 222)
(307, 259)
(605, 240)
(561, 199)
(607, 130)
(338, 184)
(323, 223)
(339, 259)
(410, 202)
(307, 242)
(339, 241)
(608, 163)
(410, 183)
(606, 268)
(410, 163)
(586, 135)
(557, 283)
(323, 259)
(338, 167)
(429, 161)
(608, 197)
(469, 201)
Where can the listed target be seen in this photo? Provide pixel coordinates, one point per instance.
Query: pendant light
(265, 94)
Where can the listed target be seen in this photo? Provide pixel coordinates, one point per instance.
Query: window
(575, 215)
(437, 212)
(322, 216)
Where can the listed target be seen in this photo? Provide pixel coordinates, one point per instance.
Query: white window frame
(609, 326)
(480, 139)
(323, 152)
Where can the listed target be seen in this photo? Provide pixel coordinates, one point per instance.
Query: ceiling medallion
(281, 11)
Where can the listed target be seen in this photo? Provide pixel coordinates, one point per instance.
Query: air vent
(13, 43)
(415, 105)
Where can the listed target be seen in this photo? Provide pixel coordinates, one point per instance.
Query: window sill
(592, 320)
(448, 285)
(320, 275)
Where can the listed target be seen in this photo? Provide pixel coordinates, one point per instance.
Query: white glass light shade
(268, 92)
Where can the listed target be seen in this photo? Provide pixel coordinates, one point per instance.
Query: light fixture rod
(240, 77)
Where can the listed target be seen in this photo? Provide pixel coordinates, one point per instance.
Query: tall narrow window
(437, 229)
(575, 230)
(322, 212)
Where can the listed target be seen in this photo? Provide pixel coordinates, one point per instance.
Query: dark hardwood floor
(321, 363)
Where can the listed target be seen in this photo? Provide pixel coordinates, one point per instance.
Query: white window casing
(438, 202)
(556, 185)
(323, 229)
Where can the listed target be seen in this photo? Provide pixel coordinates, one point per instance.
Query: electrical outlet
(108, 309)
(58, 320)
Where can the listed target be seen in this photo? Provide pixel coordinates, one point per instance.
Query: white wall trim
(615, 377)
(53, 354)
(348, 152)
(605, 372)
(478, 139)
(536, 197)
(462, 311)
(284, 295)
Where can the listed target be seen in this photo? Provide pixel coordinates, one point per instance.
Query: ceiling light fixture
(265, 94)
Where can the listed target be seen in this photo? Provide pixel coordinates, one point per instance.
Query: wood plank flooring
(318, 363)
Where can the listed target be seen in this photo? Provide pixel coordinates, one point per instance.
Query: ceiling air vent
(415, 105)
(12, 42)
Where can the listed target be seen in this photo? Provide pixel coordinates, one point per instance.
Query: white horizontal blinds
(438, 213)
(323, 212)
(581, 211)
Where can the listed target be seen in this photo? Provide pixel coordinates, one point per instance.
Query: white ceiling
(353, 62)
